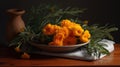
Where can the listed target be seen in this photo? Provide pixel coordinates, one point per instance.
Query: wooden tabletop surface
(9, 58)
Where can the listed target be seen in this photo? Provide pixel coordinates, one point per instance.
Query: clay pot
(15, 24)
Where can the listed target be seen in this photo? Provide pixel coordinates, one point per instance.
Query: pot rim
(16, 11)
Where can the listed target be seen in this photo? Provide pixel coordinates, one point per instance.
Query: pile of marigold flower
(67, 33)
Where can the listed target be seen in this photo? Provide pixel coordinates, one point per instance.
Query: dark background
(98, 11)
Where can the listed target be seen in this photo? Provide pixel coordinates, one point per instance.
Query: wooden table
(9, 58)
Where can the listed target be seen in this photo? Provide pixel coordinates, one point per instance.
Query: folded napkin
(82, 53)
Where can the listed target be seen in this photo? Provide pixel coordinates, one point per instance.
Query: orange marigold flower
(85, 37)
(58, 39)
(63, 30)
(25, 55)
(65, 23)
(56, 27)
(70, 40)
(49, 29)
(59, 36)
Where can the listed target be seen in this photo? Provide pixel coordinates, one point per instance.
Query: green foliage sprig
(97, 34)
(22, 37)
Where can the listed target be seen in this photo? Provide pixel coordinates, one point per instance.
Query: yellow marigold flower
(85, 37)
(58, 39)
(87, 33)
(70, 40)
(78, 32)
(75, 26)
(25, 55)
(49, 29)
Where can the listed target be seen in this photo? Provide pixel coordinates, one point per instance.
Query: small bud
(25, 55)
(85, 22)
(17, 49)
(22, 29)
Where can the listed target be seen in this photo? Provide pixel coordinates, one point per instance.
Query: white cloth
(81, 54)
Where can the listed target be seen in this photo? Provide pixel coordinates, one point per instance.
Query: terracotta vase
(15, 24)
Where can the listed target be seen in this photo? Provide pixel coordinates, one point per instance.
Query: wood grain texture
(9, 58)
